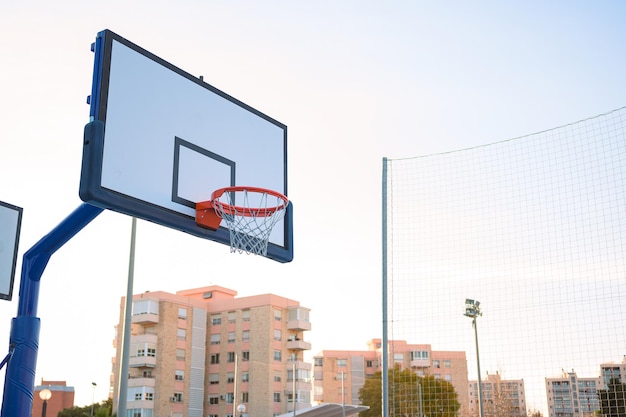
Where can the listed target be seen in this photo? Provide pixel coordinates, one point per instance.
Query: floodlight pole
(19, 381)
(472, 310)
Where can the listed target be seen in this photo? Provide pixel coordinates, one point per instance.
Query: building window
(230, 377)
(149, 396)
(277, 335)
(214, 379)
(318, 361)
(215, 339)
(245, 315)
(230, 357)
(216, 319)
(277, 355)
(232, 316)
(245, 398)
(231, 337)
(214, 400)
(245, 377)
(245, 335)
(341, 363)
(143, 349)
(215, 358)
(180, 354)
(178, 397)
(447, 363)
(277, 397)
(369, 364)
(145, 307)
(181, 334)
(419, 354)
(230, 398)
(182, 313)
(436, 364)
(277, 377)
(278, 315)
(245, 355)
(398, 357)
(179, 375)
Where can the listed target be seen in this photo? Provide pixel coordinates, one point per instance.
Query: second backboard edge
(91, 190)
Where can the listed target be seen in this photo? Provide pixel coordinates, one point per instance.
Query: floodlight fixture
(472, 308)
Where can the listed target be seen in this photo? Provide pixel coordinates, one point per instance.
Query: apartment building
(205, 352)
(572, 396)
(340, 374)
(500, 397)
(612, 370)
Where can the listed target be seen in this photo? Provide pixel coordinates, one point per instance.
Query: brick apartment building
(61, 397)
(204, 352)
(500, 397)
(340, 374)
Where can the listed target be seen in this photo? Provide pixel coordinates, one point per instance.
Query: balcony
(142, 362)
(299, 365)
(298, 345)
(141, 382)
(145, 404)
(145, 318)
(298, 325)
(420, 363)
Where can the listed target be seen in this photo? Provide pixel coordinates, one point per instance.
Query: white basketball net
(250, 217)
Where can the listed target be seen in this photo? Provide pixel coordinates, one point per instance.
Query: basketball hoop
(249, 212)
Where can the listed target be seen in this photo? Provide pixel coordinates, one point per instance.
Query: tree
(408, 394)
(613, 399)
(99, 410)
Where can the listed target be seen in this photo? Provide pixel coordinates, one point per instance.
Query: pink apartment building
(340, 374)
(500, 396)
(205, 352)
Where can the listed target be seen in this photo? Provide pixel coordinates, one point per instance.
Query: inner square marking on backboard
(191, 182)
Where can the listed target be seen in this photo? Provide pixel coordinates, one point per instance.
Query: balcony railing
(298, 345)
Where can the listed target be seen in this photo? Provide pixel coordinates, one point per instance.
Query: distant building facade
(340, 374)
(501, 397)
(611, 370)
(572, 396)
(62, 397)
(204, 352)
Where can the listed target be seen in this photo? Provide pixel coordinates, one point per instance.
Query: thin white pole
(343, 396)
(122, 390)
(293, 395)
(235, 385)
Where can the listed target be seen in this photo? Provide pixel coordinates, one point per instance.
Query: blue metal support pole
(19, 382)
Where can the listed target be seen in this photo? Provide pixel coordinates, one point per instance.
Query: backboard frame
(93, 191)
(10, 228)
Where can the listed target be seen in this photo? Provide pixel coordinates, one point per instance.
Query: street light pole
(472, 310)
(93, 395)
(45, 394)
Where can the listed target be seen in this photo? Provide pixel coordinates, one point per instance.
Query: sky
(354, 81)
